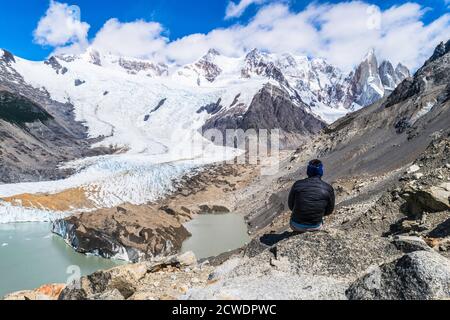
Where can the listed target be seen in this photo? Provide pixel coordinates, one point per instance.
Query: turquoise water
(216, 234)
(31, 256)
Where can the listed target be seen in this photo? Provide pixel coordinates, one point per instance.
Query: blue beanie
(315, 169)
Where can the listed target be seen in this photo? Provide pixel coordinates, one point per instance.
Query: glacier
(120, 99)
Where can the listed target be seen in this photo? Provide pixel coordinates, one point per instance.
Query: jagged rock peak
(441, 50)
(391, 77)
(403, 71)
(213, 52)
(372, 81)
(54, 63)
(7, 56)
(254, 54)
(387, 74)
(371, 56)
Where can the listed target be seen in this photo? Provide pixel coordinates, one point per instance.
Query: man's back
(310, 200)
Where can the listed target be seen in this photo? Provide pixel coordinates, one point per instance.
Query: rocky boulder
(122, 282)
(44, 293)
(409, 244)
(130, 233)
(430, 199)
(310, 266)
(333, 253)
(420, 275)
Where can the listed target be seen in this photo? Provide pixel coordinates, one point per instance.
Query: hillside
(389, 236)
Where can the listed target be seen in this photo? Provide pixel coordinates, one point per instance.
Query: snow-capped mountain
(130, 65)
(372, 81)
(124, 99)
(327, 91)
(155, 113)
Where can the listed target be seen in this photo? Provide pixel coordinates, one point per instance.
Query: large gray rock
(130, 233)
(122, 282)
(306, 267)
(276, 286)
(409, 244)
(330, 253)
(419, 275)
(431, 199)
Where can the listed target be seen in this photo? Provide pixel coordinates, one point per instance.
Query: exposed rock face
(256, 63)
(359, 256)
(6, 56)
(44, 293)
(402, 72)
(390, 78)
(367, 85)
(408, 244)
(441, 50)
(37, 133)
(205, 68)
(21, 111)
(412, 207)
(36, 140)
(130, 233)
(310, 266)
(372, 81)
(136, 66)
(362, 143)
(432, 199)
(79, 82)
(211, 108)
(271, 108)
(208, 69)
(417, 276)
(148, 280)
(160, 104)
(314, 82)
(54, 63)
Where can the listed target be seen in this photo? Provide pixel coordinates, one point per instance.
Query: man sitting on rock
(311, 200)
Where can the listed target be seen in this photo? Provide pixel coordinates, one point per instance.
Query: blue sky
(19, 18)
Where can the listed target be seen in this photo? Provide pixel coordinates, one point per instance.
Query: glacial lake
(31, 256)
(214, 234)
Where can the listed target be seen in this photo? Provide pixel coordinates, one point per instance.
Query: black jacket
(310, 200)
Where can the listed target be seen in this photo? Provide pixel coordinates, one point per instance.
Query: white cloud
(237, 9)
(138, 39)
(341, 33)
(61, 26)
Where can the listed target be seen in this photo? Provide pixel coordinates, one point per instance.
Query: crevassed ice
(11, 214)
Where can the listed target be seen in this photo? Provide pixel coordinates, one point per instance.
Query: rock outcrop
(417, 276)
(37, 133)
(310, 266)
(44, 293)
(373, 81)
(148, 280)
(271, 108)
(130, 233)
